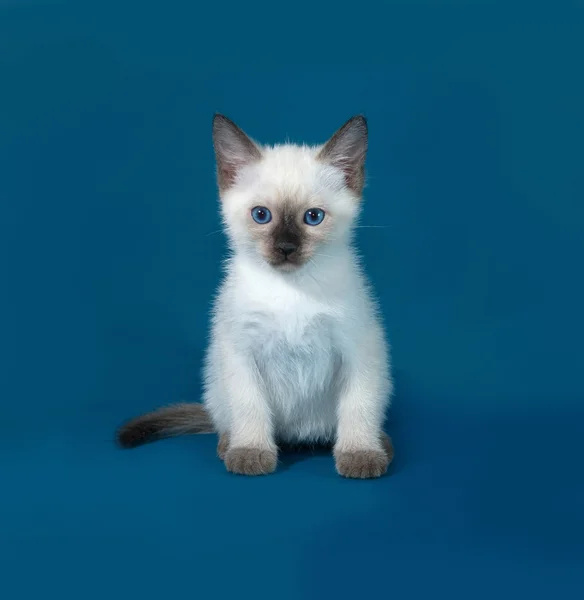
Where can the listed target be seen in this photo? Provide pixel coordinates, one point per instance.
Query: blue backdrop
(111, 253)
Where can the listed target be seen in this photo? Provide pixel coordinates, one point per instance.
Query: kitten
(297, 351)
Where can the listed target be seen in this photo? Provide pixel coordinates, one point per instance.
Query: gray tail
(177, 419)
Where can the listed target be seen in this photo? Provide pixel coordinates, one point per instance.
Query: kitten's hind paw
(251, 461)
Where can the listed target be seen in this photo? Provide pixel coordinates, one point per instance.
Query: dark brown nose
(287, 248)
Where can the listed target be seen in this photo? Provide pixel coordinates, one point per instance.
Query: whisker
(371, 226)
(213, 232)
(313, 277)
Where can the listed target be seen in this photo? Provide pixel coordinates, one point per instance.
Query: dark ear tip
(360, 120)
(220, 120)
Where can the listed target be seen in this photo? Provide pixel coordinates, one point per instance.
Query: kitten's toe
(223, 445)
(362, 464)
(251, 461)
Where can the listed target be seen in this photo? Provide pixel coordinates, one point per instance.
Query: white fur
(296, 356)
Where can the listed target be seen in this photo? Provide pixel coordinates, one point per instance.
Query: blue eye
(314, 216)
(261, 215)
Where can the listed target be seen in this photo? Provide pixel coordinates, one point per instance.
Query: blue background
(111, 252)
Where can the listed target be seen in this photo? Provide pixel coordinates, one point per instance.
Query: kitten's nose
(286, 248)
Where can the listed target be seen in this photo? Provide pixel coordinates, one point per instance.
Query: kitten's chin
(286, 267)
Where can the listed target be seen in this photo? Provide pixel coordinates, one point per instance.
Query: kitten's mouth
(286, 263)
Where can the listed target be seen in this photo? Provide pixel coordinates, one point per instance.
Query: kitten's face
(288, 205)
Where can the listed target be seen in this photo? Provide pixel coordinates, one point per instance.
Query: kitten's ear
(233, 150)
(346, 150)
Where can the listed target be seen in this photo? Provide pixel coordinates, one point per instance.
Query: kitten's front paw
(387, 446)
(251, 461)
(223, 445)
(362, 464)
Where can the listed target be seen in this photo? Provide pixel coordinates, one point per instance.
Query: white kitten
(297, 352)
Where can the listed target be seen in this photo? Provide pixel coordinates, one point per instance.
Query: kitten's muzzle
(286, 255)
(287, 248)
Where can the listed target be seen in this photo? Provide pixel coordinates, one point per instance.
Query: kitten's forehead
(287, 198)
(291, 174)
(290, 158)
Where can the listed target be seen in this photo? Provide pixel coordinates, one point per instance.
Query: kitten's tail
(177, 419)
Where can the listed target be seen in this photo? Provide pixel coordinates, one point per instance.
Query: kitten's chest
(295, 352)
(273, 333)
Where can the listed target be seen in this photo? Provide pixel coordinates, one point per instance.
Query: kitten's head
(284, 204)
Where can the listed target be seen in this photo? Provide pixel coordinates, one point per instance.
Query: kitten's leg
(251, 447)
(362, 450)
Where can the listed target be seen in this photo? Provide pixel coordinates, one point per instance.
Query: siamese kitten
(297, 352)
